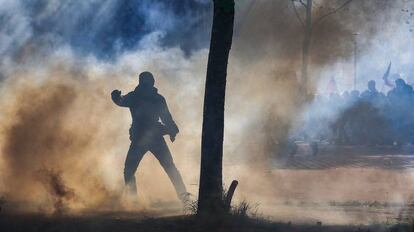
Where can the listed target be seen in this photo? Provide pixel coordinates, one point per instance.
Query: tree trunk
(306, 45)
(211, 187)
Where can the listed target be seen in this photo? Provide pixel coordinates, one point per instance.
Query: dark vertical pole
(211, 187)
(306, 44)
(355, 60)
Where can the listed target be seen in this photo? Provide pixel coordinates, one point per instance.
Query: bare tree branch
(332, 12)
(297, 14)
(303, 3)
(315, 4)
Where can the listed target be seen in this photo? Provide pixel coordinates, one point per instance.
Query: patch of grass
(190, 206)
(245, 209)
(242, 209)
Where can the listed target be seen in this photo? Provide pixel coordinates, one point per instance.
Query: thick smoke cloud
(63, 142)
(43, 145)
(60, 130)
(102, 28)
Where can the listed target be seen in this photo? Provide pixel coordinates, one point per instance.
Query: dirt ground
(137, 222)
(342, 185)
(340, 189)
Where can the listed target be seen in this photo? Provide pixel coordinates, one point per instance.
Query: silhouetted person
(371, 91)
(401, 102)
(353, 115)
(372, 116)
(400, 91)
(151, 120)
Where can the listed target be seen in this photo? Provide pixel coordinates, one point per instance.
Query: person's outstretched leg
(134, 156)
(163, 154)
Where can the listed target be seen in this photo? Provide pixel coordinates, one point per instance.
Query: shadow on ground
(129, 222)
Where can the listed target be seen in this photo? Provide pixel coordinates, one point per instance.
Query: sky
(102, 28)
(107, 29)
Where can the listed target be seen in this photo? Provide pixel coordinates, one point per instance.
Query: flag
(387, 82)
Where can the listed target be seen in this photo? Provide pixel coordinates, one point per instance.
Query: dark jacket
(149, 112)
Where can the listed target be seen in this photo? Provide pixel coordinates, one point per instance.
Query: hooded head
(399, 83)
(146, 79)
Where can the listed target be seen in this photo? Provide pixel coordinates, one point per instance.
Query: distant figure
(353, 115)
(151, 120)
(372, 115)
(401, 90)
(371, 92)
(401, 99)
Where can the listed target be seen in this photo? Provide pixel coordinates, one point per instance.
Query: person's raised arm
(119, 100)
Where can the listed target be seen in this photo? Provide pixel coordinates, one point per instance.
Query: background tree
(211, 184)
(309, 24)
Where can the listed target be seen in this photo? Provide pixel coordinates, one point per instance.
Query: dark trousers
(159, 148)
